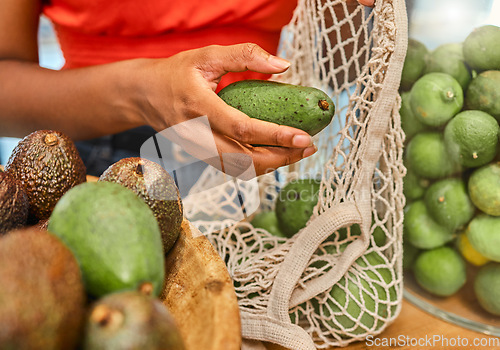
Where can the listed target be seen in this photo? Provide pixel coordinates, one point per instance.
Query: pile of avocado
(82, 263)
(450, 113)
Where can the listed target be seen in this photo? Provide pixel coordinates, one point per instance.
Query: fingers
(240, 161)
(268, 159)
(236, 125)
(242, 57)
(369, 3)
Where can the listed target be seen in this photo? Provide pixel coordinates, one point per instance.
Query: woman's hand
(368, 3)
(182, 87)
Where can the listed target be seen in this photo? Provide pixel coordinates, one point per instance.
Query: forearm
(83, 103)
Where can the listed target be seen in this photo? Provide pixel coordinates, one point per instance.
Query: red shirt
(93, 32)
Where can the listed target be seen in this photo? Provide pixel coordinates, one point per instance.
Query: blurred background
(432, 22)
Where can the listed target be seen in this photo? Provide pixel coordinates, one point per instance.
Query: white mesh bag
(321, 288)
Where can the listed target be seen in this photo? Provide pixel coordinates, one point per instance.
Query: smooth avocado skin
(301, 107)
(114, 236)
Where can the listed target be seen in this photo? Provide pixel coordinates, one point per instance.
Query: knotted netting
(339, 279)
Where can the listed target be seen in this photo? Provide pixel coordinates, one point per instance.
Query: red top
(93, 32)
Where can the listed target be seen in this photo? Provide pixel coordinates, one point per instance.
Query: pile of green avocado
(450, 113)
(82, 263)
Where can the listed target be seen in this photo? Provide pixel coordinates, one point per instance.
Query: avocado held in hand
(301, 107)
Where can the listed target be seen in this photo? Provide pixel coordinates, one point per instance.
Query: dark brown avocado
(13, 203)
(48, 164)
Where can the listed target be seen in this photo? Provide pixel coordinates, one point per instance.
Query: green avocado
(268, 221)
(361, 299)
(295, 204)
(301, 107)
(114, 236)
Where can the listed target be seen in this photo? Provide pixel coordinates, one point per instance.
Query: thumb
(247, 56)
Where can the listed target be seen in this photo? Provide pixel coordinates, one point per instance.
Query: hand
(182, 87)
(368, 3)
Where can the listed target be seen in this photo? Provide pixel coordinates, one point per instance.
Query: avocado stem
(323, 105)
(146, 288)
(139, 169)
(104, 316)
(51, 139)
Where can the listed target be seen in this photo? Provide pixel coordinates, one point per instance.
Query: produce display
(450, 112)
(82, 264)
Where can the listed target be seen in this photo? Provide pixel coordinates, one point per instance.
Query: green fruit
(449, 59)
(301, 107)
(440, 271)
(435, 98)
(484, 188)
(480, 48)
(362, 298)
(410, 254)
(413, 186)
(469, 253)
(268, 221)
(42, 300)
(486, 287)
(422, 231)
(471, 138)
(113, 234)
(48, 164)
(411, 125)
(378, 235)
(448, 203)
(131, 320)
(427, 156)
(295, 204)
(14, 204)
(483, 93)
(483, 233)
(156, 187)
(414, 65)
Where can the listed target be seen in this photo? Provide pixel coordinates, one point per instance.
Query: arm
(99, 100)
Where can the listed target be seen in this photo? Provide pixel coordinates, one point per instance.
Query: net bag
(339, 279)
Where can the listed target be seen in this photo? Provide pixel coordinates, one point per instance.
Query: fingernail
(301, 141)
(309, 151)
(279, 62)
